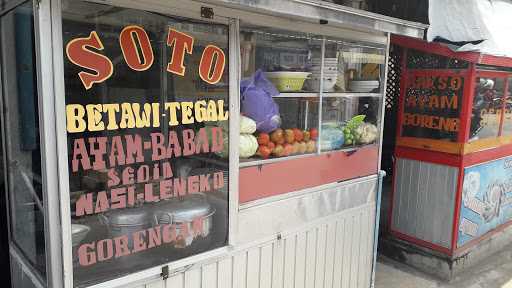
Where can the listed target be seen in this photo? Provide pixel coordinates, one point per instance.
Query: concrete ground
(495, 272)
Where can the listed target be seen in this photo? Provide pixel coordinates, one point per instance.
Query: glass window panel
(507, 121)
(487, 107)
(148, 156)
(20, 133)
(432, 105)
(350, 113)
(280, 90)
(349, 122)
(354, 68)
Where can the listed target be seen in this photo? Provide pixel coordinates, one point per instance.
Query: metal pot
(126, 222)
(78, 233)
(184, 211)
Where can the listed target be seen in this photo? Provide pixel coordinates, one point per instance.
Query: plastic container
(286, 81)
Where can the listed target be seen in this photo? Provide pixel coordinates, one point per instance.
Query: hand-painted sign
(486, 199)
(431, 107)
(146, 117)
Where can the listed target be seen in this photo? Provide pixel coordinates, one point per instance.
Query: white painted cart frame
(238, 258)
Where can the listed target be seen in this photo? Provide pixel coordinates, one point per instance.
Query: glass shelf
(258, 161)
(327, 95)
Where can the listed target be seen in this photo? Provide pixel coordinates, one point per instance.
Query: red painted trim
(392, 197)
(421, 243)
(493, 74)
(443, 50)
(434, 48)
(496, 61)
(458, 202)
(484, 237)
(486, 155)
(257, 182)
(467, 105)
(429, 156)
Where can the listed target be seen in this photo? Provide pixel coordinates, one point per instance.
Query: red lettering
(129, 48)
(209, 71)
(84, 205)
(80, 154)
(79, 54)
(86, 257)
(122, 248)
(181, 43)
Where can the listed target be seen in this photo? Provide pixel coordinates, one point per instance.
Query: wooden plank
(277, 264)
(329, 254)
(338, 253)
(300, 260)
(266, 267)
(209, 276)
(224, 273)
(240, 270)
(253, 267)
(320, 256)
(289, 262)
(310, 257)
(193, 278)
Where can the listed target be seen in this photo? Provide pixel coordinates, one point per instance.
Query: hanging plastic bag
(256, 102)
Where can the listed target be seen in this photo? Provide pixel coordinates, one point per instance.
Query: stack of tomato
(281, 143)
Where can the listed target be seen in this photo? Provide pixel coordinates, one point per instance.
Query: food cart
(451, 201)
(193, 144)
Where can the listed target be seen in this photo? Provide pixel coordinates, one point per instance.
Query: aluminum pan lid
(129, 216)
(185, 209)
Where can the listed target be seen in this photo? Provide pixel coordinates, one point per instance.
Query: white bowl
(328, 84)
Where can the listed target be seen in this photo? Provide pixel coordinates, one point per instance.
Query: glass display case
(135, 134)
(453, 105)
(308, 102)
(453, 148)
(487, 109)
(316, 94)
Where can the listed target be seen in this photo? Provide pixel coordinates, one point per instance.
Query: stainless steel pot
(78, 233)
(126, 222)
(183, 211)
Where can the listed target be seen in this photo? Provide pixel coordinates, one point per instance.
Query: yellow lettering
(111, 110)
(75, 118)
(172, 108)
(212, 111)
(127, 118)
(142, 119)
(200, 111)
(223, 116)
(94, 122)
(186, 113)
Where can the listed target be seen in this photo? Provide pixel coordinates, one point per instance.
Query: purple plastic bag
(256, 102)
